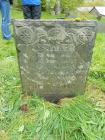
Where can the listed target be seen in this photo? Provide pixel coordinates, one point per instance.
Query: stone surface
(54, 56)
(101, 27)
(98, 10)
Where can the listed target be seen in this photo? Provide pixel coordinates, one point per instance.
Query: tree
(60, 5)
(70, 5)
(17, 3)
(50, 5)
(43, 4)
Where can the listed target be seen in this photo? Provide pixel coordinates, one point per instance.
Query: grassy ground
(97, 70)
(30, 118)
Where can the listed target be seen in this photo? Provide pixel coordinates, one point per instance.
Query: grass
(18, 14)
(75, 120)
(97, 70)
(31, 118)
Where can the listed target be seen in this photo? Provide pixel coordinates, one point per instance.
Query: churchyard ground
(29, 117)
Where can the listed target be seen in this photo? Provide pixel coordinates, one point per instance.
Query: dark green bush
(43, 5)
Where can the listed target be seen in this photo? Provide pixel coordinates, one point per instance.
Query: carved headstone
(54, 56)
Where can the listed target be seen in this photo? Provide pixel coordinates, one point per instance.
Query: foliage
(69, 5)
(66, 5)
(43, 5)
(50, 4)
(17, 3)
(94, 3)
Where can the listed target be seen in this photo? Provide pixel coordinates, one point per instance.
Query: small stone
(24, 108)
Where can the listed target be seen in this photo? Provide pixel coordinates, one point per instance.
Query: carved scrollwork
(42, 37)
(25, 35)
(82, 39)
(57, 34)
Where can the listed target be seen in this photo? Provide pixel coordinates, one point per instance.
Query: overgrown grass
(97, 70)
(77, 119)
(31, 118)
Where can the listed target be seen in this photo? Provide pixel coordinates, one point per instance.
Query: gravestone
(101, 27)
(54, 56)
(98, 11)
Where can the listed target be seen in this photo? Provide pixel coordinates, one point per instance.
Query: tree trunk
(17, 3)
(58, 7)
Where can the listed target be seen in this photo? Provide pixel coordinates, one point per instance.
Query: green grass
(78, 119)
(97, 70)
(81, 118)
(18, 15)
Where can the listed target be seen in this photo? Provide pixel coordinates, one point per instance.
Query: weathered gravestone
(54, 56)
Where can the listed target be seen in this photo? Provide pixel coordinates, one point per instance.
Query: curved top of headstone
(51, 21)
